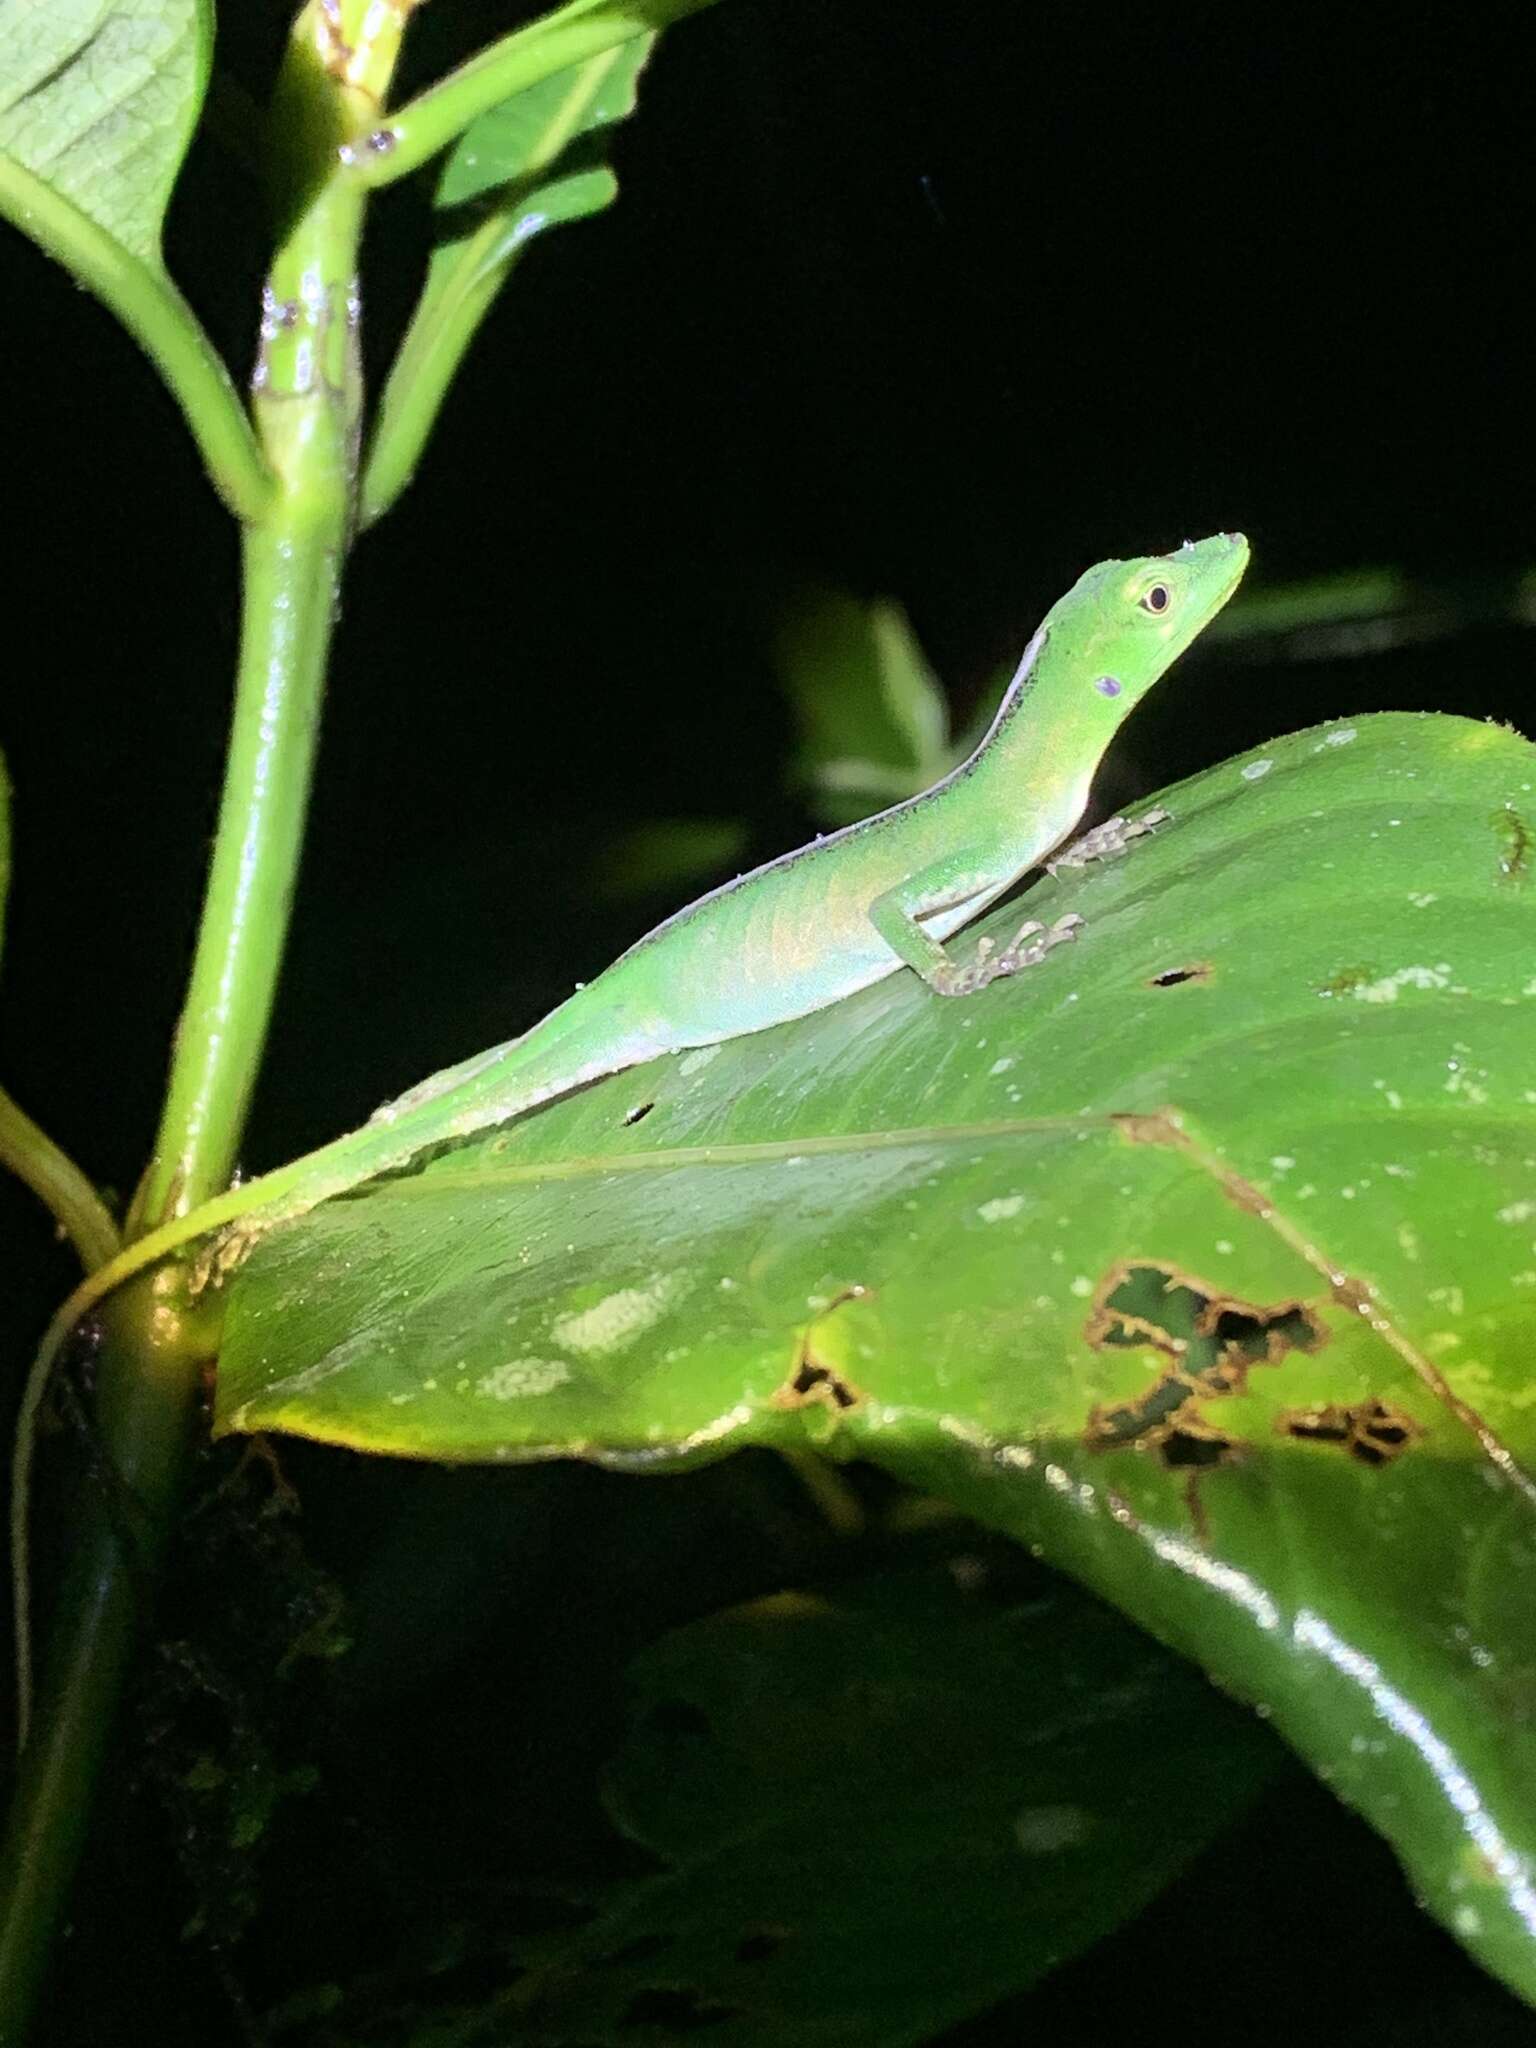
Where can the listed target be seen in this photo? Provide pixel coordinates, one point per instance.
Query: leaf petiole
(425, 126)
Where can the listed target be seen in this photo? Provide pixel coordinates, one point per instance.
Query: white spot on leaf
(1385, 990)
(619, 1318)
(520, 1377)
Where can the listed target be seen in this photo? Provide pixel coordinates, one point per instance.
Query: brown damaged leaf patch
(1209, 1341)
(1514, 837)
(812, 1385)
(1163, 1128)
(1372, 1432)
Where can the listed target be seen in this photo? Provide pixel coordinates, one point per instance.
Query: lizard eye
(1156, 600)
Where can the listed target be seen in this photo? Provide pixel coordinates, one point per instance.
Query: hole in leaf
(1208, 1343)
(638, 1114)
(1198, 970)
(1247, 1336)
(1212, 1338)
(1127, 1421)
(1190, 1446)
(811, 1384)
(1371, 1432)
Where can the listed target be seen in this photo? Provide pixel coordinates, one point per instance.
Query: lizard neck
(1022, 770)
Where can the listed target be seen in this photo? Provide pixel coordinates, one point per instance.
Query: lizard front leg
(1107, 840)
(949, 886)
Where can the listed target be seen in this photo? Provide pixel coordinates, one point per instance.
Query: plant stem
(291, 574)
(58, 1184)
(426, 125)
(307, 401)
(307, 405)
(160, 321)
(148, 1376)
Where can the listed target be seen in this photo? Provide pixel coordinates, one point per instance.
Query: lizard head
(1124, 623)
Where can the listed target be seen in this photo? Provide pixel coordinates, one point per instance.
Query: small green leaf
(1201, 1257)
(99, 98)
(1364, 611)
(534, 162)
(521, 142)
(873, 722)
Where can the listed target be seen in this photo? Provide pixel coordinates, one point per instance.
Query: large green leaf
(1202, 1257)
(879, 1809)
(98, 98)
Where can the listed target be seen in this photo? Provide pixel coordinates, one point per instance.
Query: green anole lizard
(791, 937)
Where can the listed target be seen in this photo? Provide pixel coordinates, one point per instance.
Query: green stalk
(292, 569)
(160, 321)
(423, 371)
(307, 402)
(147, 1378)
(58, 1184)
(307, 407)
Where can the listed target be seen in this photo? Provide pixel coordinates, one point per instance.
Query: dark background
(914, 297)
